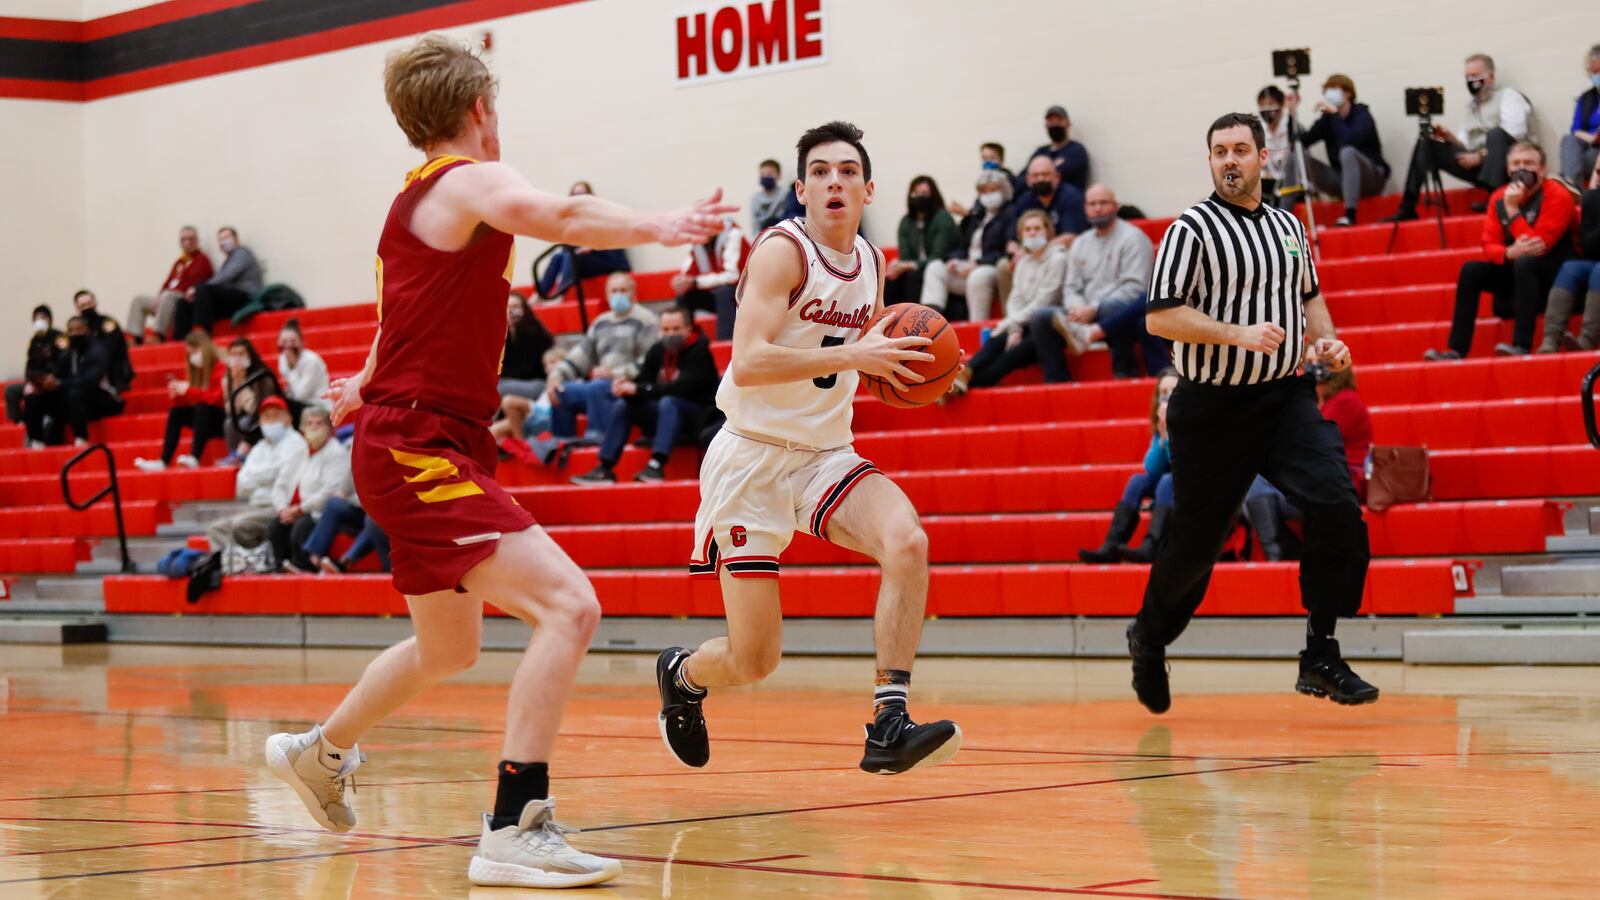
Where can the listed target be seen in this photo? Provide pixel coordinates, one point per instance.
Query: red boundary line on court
(198, 840)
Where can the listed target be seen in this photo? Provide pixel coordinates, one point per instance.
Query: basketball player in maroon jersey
(424, 460)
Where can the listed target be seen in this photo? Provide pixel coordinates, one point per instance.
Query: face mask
(1334, 96)
(226, 246)
(1058, 133)
(196, 359)
(1033, 242)
(921, 205)
(1269, 114)
(990, 165)
(1474, 85)
(991, 200)
(1042, 189)
(274, 431)
(316, 437)
(40, 326)
(768, 182)
(1525, 177)
(78, 341)
(1595, 78)
(673, 343)
(620, 302)
(1102, 221)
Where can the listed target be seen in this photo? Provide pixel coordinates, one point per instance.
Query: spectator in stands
(1063, 201)
(1496, 117)
(1578, 277)
(991, 158)
(571, 264)
(766, 204)
(709, 277)
(926, 233)
(1528, 232)
(225, 293)
(1041, 271)
(302, 373)
(346, 516)
(675, 389)
(241, 427)
(1270, 104)
(522, 417)
(267, 480)
(1068, 157)
(43, 348)
(613, 350)
(1355, 166)
(1265, 508)
(1153, 484)
(1580, 147)
(196, 405)
(78, 393)
(969, 271)
(527, 341)
(1108, 272)
(189, 270)
(324, 476)
(105, 330)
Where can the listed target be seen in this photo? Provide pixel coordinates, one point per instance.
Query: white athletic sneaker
(1075, 333)
(294, 759)
(149, 465)
(187, 462)
(534, 853)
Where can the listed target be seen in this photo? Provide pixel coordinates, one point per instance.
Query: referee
(1235, 289)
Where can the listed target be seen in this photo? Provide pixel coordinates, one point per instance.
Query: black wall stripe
(217, 32)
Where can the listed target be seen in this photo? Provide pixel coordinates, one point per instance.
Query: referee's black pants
(1222, 437)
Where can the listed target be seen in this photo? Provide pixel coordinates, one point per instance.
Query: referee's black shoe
(1326, 674)
(896, 744)
(1149, 672)
(682, 723)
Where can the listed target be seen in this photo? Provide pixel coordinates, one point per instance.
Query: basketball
(916, 320)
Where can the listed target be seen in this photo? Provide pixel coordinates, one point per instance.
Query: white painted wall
(303, 157)
(70, 10)
(42, 226)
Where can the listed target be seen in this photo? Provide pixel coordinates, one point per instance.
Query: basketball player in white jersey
(784, 462)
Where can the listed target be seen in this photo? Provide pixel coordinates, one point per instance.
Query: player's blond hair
(432, 84)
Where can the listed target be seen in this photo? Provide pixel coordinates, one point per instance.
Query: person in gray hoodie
(225, 293)
(613, 350)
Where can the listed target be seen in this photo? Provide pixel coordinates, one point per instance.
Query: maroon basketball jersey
(442, 314)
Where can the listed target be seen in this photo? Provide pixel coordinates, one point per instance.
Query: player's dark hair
(1233, 120)
(840, 132)
(1270, 92)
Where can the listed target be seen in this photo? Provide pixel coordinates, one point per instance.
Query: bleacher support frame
(128, 566)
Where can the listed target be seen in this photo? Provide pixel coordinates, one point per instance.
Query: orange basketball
(916, 320)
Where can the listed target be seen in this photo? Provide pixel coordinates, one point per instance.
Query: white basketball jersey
(830, 307)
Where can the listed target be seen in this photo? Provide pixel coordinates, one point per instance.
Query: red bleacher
(1011, 481)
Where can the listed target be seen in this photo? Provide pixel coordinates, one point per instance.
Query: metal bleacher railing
(110, 489)
(558, 289)
(1587, 396)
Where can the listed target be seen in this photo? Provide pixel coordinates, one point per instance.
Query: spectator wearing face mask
(1040, 272)
(1528, 232)
(675, 390)
(1067, 156)
(1355, 166)
(1270, 102)
(241, 422)
(766, 204)
(926, 233)
(568, 265)
(1578, 278)
(1062, 201)
(196, 405)
(105, 330)
(267, 481)
(77, 394)
(613, 350)
(325, 476)
(1108, 272)
(709, 277)
(991, 158)
(190, 269)
(302, 373)
(1580, 147)
(1495, 118)
(522, 370)
(43, 349)
(970, 270)
(225, 293)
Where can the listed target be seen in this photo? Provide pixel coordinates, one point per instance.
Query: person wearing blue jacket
(1355, 166)
(1581, 143)
(1154, 484)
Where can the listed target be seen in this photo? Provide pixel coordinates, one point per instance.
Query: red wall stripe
(34, 89)
(40, 29)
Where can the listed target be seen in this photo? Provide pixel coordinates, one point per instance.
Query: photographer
(1355, 166)
(1270, 102)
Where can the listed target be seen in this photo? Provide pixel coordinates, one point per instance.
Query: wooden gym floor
(133, 772)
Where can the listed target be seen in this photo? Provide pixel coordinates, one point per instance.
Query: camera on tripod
(1426, 102)
(1291, 64)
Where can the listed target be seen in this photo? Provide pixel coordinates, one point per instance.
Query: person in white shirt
(302, 372)
(1496, 117)
(1271, 103)
(325, 475)
(1041, 271)
(267, 480)
(709, 278)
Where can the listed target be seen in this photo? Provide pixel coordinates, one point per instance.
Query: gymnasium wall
(303, 157)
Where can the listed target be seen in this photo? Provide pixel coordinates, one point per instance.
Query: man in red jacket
(1528, 232)
(192, 267)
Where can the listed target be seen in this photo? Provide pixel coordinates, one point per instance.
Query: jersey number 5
(833, 379)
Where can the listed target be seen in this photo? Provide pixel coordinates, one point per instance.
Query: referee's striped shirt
(1239, 266)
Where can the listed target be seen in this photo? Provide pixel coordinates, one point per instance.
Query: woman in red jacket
(196, 405)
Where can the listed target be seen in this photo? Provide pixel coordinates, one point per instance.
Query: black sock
(659, 460)
(890, 692)
(1350, 214)
(1319, 632)
(520, 783)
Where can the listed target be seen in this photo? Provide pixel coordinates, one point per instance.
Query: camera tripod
(1432, 182)
(1302, 185)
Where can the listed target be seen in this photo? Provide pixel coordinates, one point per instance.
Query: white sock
(330, 755)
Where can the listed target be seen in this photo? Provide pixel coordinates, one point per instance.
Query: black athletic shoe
(600, 474)
(683, 724)
(896, 744)
(1149, 672)
(1328, 675)
(651, 473)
